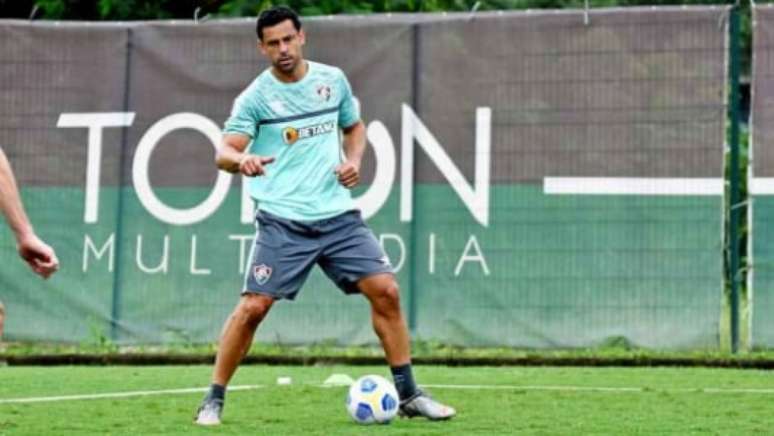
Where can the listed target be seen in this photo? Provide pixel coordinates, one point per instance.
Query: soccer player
(38, 255)
(284, 132)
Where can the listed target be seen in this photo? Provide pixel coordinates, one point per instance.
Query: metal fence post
(115, 309)
(734, 185)
(415, 100)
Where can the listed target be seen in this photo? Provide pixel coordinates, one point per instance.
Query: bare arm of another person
(40, 257)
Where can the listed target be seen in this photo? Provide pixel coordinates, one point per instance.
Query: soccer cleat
(209, 412)
(422, 405)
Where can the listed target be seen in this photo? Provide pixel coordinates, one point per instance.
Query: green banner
(537, 181)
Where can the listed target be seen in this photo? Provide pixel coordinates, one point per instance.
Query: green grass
(663, 401)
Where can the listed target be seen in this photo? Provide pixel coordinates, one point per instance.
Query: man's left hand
(348, 174)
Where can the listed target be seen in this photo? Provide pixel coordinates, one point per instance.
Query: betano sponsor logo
(291, 134)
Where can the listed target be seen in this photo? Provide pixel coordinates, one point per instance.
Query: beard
(286, 64)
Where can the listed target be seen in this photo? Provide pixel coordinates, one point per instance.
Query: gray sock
(404, 381)
(217, 392)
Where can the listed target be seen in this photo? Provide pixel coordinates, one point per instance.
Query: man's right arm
(231, 156)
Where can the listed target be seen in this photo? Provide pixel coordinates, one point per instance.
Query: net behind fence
(761, 275)
(537, 181)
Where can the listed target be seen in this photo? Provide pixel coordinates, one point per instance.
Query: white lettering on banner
(401, 246)
(475, 195)
(477, 257)
(632, 186)
(95, 122)
(194, 270)
(243, 240)
(142, 185)
(109, 246)
(477, 198)
(163, 265)
(162, 249)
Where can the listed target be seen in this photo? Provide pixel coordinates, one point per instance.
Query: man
(283, 131)
(38, 255)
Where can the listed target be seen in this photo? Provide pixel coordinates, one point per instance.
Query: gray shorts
(285, 251)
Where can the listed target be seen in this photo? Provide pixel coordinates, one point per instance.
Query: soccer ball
(372, 399)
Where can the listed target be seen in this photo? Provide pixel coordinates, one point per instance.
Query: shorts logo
(324, 92)
(290, 134)
(262, 274)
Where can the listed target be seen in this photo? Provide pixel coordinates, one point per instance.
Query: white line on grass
(536, 388)
(120, 394)
(609, 389)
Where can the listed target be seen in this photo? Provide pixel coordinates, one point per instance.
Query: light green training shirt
(298, 124)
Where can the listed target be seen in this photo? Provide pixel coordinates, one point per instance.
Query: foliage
(107, 9)
(185, 9)
(151, 9)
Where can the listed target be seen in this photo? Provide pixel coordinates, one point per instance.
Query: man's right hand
(252, 165)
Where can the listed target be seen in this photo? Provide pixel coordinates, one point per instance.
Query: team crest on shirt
(324, 92)
(262, 273)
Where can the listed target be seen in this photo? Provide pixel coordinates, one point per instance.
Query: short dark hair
(275, 15)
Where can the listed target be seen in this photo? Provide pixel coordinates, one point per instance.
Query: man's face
(282, 44)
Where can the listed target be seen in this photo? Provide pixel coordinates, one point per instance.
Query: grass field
(489, 400)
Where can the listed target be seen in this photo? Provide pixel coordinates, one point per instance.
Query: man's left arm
(354, 135)
(348, 171)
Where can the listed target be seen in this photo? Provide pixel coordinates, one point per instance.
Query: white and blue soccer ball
(372, 399)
